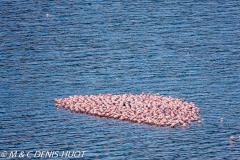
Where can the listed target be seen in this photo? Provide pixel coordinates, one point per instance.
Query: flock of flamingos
(152, 109)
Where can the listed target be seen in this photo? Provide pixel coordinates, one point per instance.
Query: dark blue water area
(180, 48)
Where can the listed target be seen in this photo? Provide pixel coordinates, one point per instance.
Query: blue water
(180, 48)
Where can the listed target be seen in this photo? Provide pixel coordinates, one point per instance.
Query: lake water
(180, 48)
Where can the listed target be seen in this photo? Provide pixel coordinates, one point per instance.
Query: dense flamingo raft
(150, 109)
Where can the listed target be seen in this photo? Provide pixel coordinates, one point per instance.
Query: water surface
(184, 49)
